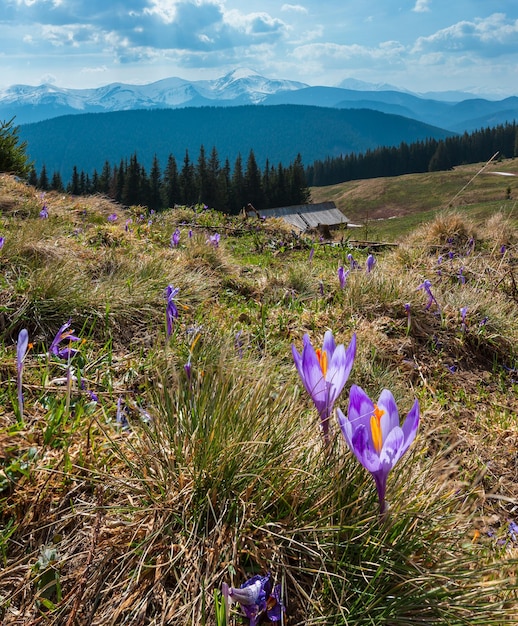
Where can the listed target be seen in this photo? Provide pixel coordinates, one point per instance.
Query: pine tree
(43, 180)
(201, 178)
(155, 197)
(237, 201)
(74, 185)
(13, 158)
(131, 186)
(187, 181)
(33, 177)
(253, 183)
(105, 178)
(299, 191)
(170, 185)
(56, 184)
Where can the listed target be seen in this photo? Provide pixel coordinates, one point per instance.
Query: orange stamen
(377, 434)
(322, 359)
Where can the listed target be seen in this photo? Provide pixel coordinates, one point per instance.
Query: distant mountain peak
(361, 85)
(241, 72)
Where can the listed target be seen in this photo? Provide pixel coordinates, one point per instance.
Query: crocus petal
(313, 378)
(392, 447)
(21, 346)
(339, 369)
(364, 451)
(329, 344)
(390, 417)
(345, 427)
(275, 607)
(360, 408)
(410, 426)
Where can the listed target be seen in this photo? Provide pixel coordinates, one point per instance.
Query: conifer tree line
(421, 156)
(205, 181)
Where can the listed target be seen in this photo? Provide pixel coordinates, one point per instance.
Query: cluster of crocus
(112, 217)
(171, 311)
(64, 334)
(324, 373)
(257, 598)
(372, 431)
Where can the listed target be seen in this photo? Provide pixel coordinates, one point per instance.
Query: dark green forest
(418, 157)
(205, 181)
(278, 133)
(230, 188)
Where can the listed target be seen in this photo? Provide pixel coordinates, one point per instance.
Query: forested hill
(276, 133)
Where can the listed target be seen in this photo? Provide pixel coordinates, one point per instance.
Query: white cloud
(297, 8)
(491, 36)
(422, 6)
(334, 55)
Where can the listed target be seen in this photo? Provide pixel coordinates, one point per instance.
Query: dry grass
(101, 525)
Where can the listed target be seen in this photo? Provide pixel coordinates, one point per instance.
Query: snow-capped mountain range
(454, 111)
(237, 87)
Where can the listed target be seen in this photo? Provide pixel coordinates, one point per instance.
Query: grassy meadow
(132, 487)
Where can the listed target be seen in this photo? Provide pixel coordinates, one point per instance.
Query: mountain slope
(455, 111)
(277, 133)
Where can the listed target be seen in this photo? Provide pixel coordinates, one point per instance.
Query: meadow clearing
(168, 447)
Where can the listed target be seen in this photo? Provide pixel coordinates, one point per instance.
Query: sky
(417, 45)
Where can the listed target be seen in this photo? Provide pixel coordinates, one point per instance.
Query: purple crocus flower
(373, 434)
(324, 373)
(21, 350)
(503, 248)
(175, 238)
(2, 241)
(171, 311)
(127, 224)
(311, 253)
(257, 599)
(371, 262)
(189, 234)
(112, 217)
(44, 213)
(214, 240)
(427, 286)
(353, 263)
(64, 333)
(342, 276)
(462, 278)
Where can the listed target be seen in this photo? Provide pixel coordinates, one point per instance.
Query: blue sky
(419, 45)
